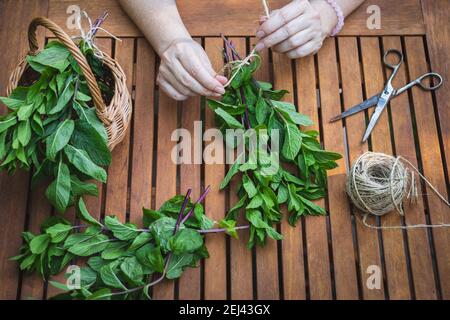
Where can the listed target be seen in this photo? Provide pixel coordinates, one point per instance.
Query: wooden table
(328, 257)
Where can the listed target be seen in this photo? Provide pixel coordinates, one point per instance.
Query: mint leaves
(52, 128)
(122, 259)
(293, 174)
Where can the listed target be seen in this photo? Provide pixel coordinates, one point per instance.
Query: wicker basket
(115, 117)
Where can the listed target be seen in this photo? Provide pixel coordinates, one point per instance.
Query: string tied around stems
(378, 184)
(89, 36)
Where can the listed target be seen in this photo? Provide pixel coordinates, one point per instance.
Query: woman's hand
(298, 29)
(185, 71)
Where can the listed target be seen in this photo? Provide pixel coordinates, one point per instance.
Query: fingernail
(221, 78)
(260, 34)
(259, 46)
(220, 90)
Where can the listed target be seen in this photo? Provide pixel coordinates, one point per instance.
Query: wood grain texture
(319, 269)
(117, 185)
(189, 287)
(369, 253)
(436, 18)
(418, 242)
(142, 145)
(344, 259)
(294, 283)
(393, 242)
(211, 18)
(215, 266)
(267, 275)
(431, 160)
(166, 172)
(14, 188)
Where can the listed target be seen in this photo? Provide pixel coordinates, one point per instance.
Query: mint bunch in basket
(123, 261)
(53, 126)
(300, 176)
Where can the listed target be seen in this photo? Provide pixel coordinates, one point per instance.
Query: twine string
(89, 36)
(378, 184)
(236, 65)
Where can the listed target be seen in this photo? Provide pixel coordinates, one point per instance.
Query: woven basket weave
(115, 117)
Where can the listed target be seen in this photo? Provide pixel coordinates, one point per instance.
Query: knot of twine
(89, 36)
(378, 183)
(236, 65)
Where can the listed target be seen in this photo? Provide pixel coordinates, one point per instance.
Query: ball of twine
(378, 183)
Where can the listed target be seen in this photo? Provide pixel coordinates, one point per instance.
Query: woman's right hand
(185, 70)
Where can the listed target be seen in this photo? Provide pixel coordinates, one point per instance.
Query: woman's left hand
(297, 29)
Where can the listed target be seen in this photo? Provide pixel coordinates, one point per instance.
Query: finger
(200, 73)
(288, 30)
(280, 17)
(295, 41)
(190, 82)
(177, 85)
(169, 90)
(222, 79)
(305, 50)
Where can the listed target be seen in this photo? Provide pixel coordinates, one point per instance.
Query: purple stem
(183, 207)
(222, 229)
(202, 197)
(98, 22)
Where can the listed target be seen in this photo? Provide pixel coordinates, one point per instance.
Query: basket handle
(73, 49)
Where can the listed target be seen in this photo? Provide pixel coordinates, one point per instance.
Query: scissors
(381, 100)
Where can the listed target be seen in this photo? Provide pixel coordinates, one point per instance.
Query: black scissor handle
(432, 75)
(396, 53)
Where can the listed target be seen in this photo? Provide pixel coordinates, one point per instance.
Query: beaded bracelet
(340, 16)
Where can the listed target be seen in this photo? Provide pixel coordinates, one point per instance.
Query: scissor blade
(373, 121)
(362, 106)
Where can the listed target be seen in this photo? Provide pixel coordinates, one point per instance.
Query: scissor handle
(393, 52)
(431, 75)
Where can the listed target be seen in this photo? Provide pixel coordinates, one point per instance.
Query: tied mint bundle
(250, 104)
(123, 261)
(52, 126)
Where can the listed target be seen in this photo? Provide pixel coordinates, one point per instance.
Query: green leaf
(59, 139)
(132, 270)
(249, 186)
(102, 294)
(140, 240)
(59, 232)
(83, 214)
(110, 278)
(288, 110)
(177, 265)
(24, 132)
(39, 243)
(229, 119)
(114, 250)
(230, 174)
(262, 110)
(282, 195)
(230, 226)
(151, 257)
(64, 98)
(58, 193)
(54, 56)
(87, 138)
(255, 203)
(5, 124)
(292, 142)
(80, 188)
(92, 245)
(3, 147)
(25, 112)
(162, 231)
(121, 231)
(90, 116)
(80, 159)
(185, 241)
